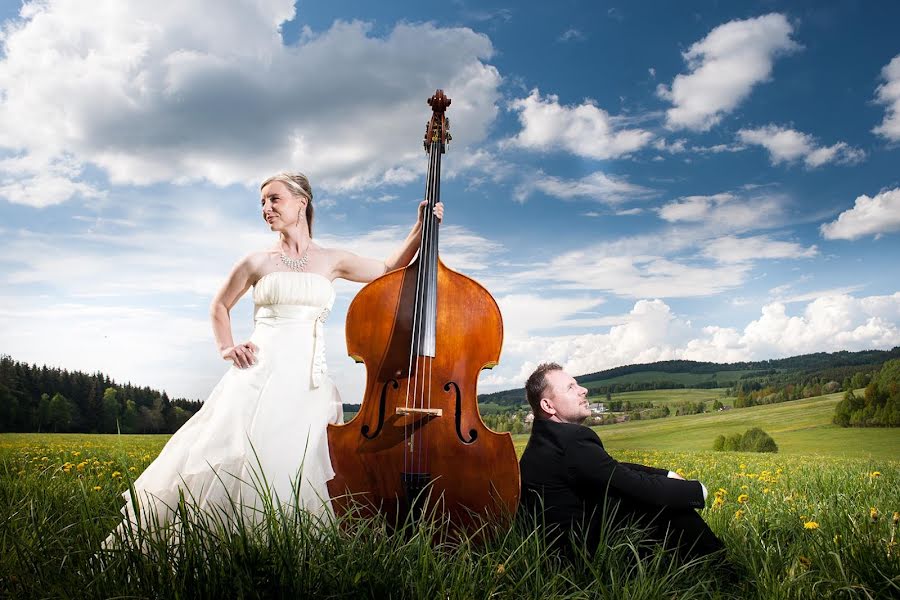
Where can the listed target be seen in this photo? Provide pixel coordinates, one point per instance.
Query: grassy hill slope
(669, 397)
(798, 427)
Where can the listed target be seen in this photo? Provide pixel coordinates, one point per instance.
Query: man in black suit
(568, 475)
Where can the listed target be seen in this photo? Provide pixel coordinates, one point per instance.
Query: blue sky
(707, 181)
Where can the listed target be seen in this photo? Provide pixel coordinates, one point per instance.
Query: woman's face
(280, 208)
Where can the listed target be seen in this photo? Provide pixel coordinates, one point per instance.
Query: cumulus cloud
(597, 186)
(888, 93)
(635, 275)
(652, 331)
(732, 249)
(869, 216)
(724, 211)
(789, 145)
(584, 130)
(143, 93)
(724, 67)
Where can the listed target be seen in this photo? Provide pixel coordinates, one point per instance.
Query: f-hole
(473, 435)
(365, 428)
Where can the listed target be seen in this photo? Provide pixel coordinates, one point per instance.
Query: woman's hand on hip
(241, 355)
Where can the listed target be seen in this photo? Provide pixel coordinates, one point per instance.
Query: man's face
(564, 400)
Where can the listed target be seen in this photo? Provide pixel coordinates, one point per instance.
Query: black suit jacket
(566, 472)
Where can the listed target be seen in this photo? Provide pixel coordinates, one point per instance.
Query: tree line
(48, 399)
(879, 405)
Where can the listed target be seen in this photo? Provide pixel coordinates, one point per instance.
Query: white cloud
(788, 145)
(725, 211)
(827, 324)
(724, 68)
(869, 216)
(584, 130)
(629, 212)
(732, 249)
(597, 186)
(163, 93)
(572, 35)
(651, 331)
(635, 275)
(676, 147)
(888, 93)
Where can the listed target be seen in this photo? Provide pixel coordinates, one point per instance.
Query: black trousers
(680, 529)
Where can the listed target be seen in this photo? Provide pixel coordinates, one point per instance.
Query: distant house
(598, 408)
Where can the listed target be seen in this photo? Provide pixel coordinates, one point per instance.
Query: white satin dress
(266, 422)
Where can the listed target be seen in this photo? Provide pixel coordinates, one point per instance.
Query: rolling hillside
(679, 374)
(798, 427)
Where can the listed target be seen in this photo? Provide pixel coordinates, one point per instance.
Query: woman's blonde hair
(298, 184)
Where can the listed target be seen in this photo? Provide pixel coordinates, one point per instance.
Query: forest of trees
(879, 405)
(45, 399)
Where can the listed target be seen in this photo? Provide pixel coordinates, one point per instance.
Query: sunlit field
(796, 526)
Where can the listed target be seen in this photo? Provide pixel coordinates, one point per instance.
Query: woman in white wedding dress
(263, 427)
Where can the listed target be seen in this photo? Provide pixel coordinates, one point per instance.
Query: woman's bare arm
(348, 265)
(240, 279)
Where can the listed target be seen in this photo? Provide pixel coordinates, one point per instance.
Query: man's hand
(674, 475)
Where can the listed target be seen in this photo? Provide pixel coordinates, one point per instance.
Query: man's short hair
(537, 385)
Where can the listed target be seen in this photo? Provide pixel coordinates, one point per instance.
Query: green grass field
(670, 397)
(818, 519)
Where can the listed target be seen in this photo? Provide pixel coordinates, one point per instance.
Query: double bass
(424, 332)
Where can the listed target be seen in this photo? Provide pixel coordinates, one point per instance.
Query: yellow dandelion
(743, 498)
(743, 466)
(873, 514)
(810, 525)
(875, 474)
(116, 475)
(80, 466)
(894, 519)
(97, 488)
(738, 514)
(501, 569)
(718, 502)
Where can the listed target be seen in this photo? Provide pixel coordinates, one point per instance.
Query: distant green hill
(820, 367)
(798, 427)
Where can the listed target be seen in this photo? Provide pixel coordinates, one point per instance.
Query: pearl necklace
(296, 264)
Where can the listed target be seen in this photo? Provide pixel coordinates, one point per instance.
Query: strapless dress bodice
(289, 302)
(293, 288)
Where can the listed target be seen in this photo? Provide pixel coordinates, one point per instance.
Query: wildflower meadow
(796, 526)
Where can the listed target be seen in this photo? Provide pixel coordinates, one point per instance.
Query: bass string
(431, 232)
(415, 347)
(423, 399)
